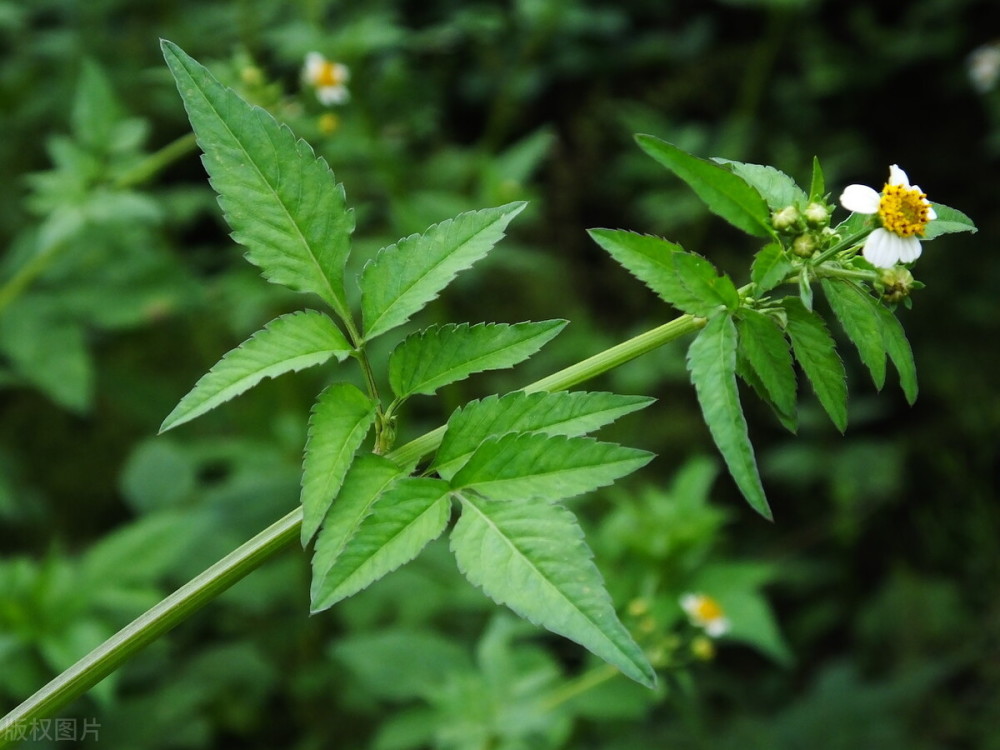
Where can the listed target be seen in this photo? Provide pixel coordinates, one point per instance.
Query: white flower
(984, 67)
(705, 612)
(328, 78)
(904, 211)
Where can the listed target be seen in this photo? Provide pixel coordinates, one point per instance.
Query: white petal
(909, 249)
(860, 199)
(897, 176)
(881, 248)
(931, 213)
(717, 627)
(330, 95)
(341, 72)
(314, 61)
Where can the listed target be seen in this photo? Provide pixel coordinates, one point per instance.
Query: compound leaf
(898, 348)
(286, 344)
(439, 355)
(340, 419)
(684, 280)
(546, 467)
(766, 350)
(405, 518)
(815, 350)
(532, 557)
(404, 277)
(367, 478)
(725, 194)
(280, 199)
(561, 413)
(711, 360)
(858, 315)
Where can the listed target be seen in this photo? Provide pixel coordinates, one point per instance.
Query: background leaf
(286, 344)
(405, 518)
(562, 413)
(281, 201)
(437, 356)
(532, 558)
(404, 277)
(857, 313)
(547, 467)
(711, 360)
(724, 193)
(815, 350)
(340, 419)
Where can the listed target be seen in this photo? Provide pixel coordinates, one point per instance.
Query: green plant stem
(174, 609)
(587, 681)
(27, 273)
(177, 607)
(157, 161)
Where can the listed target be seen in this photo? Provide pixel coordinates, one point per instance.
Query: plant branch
(177, 607)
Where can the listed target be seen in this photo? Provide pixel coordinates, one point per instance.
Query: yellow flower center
(328, 74)
(904, 211)
(707, 609)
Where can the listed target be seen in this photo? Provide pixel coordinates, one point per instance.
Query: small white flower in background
(328, 78)
(984, 67)
(706, 613)
(904, 211)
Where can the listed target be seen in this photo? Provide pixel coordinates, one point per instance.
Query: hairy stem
(177, 607)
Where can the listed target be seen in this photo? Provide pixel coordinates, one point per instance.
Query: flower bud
(897, 282)
(804, 245)
(785, 219)
(817, 214)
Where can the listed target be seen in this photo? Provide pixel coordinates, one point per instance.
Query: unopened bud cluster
(805, 229)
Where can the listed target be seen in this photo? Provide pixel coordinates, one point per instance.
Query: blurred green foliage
(867, 615)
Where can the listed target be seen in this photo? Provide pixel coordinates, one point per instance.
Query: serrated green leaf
(562, 413)
(685, 280)
(749, 376)
(404, 277)
(857, 313)
(651, 260)
(439, 355)
(775, 187)
(767, 352)
(546, 467)
(280, 199)
(898, 348)
(817, 185)
(770, 267)
(725, 194)
(711, 360)
(340, 420)
(532, 557)
(815, 350)
(949, 220)
(286, 344)
(703, 280)
(368, 477)
(405, 518)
